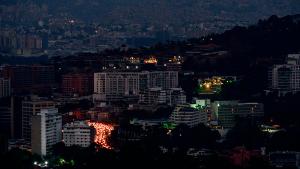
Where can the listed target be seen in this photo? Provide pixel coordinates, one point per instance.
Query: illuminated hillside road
(103, 131)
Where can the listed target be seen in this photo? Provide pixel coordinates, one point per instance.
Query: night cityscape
(144, 84)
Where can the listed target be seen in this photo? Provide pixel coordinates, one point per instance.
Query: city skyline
(149, 84)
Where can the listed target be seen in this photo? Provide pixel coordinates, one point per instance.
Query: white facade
(46, 131)
(286, 77)
(184, 114)
(154, 96)
(5, 88)
(77, 133)
(116, 85)
(32, 107)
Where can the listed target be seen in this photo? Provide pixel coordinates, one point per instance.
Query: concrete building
(155, 96)
(30, 107)
(293, 59)
(185, 114)
(285, 78)
(5, 88)
(227, 112)
(176, 96)
(77, 133)
(46, 131)
(117, 85)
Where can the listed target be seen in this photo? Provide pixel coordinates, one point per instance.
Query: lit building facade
(46, 131)
(77, 133)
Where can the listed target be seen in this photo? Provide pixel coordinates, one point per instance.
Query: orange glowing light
(151, 60)
(103, 131)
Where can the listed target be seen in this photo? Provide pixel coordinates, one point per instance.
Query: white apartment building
(46, 131)
(185, 114)
(286, 77)
(153, 96)
(77, 133)
(117, 85)
(30, 107)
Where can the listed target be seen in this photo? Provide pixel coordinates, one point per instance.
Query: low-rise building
(227, 112)
(77, 133)
(185, 114)
(155, 96)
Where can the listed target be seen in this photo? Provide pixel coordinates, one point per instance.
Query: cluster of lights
(134, 60)
(103, 131)
(41, 164)
(270, 129)
(151, 60)
(210, 83)
(176, 59)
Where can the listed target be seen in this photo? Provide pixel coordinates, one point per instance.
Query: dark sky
(169, 11)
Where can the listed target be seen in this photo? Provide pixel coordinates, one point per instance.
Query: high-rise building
(116, 85)
(45, 131)
(30, 107)
(77, 84)
(77, 133)
(227, 112)
(5, 89)
(185, 114)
